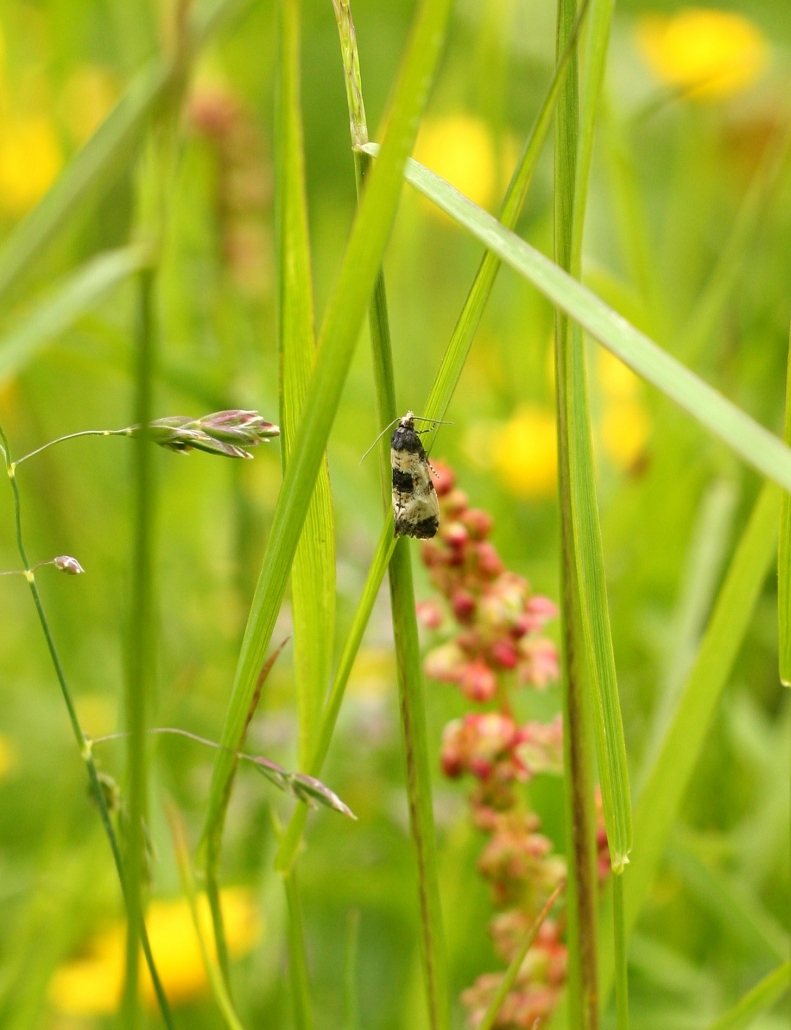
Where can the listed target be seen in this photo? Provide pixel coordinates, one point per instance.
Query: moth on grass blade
(415, 505)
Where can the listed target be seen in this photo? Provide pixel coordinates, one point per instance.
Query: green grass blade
(578, 714)
(731, 259)
(297, 956)
(106, 154)
(757, 1000)
(313, 570)
(472, 311)
(344, 317)
(759, 448)
(60, 307)
(784, 557)
(677, 756)
(509, 978)
(213, 973)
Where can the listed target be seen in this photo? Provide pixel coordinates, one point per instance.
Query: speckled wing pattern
(415, 504)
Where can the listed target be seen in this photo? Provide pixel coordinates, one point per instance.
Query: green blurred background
(672, 169)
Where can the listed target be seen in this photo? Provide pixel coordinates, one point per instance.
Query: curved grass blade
(680, 749)
(341, 326)
(60, 307)
(755, 444)
(757, 1000)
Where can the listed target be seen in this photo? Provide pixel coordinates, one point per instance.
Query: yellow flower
(88, 95)
(93, 984)
(625, 428)
(8, 757)
(712, 53)
(30, 159)
(460, 149)
(618, 381)
(524, 453)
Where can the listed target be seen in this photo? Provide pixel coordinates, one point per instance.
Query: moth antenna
(436, 421)
(432, 468)
(376, 441)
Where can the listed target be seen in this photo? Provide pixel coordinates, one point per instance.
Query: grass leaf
(342, 322)
(757, 1000)
(668, 779)
(759, 448)
(61, 306)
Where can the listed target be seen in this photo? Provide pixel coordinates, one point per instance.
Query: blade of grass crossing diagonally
(313, 568)
(60, 307)
(784, 556)
(402, 595)
(669, 776)
(342, 322)
(755, 444)
(109, 150)
(757, 1000)
(577, 712)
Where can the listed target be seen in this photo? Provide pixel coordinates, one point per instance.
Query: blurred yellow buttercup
(524, 453)
(30, 159)
(625, 428)
(93, 984)
(711, 53)
(8, 757)
(460, 149)
(88, 95)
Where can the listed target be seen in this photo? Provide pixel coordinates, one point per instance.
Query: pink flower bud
(464, 605)
(431, 553)
(68, 565)
(445, 478)
(488, 560)
(455, 503)
(479, 523)
(477, 681)
(429, 613)
(455, 535)
(504, 653)
(445, 663)
(480, 767)
(539, 663)
(538, 612)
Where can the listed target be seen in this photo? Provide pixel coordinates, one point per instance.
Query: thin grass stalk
(577, 714)
(345, 312)
(509, 977)
(402, 594)
(139, 679)
(444, 383)
(784, 556)
(619, 949)
(297, 965)
(313, 568)
(83, 743)
(213, 972)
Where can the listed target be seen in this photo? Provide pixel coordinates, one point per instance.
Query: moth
(415, 504)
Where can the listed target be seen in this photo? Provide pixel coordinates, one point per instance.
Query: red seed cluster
(496, 647)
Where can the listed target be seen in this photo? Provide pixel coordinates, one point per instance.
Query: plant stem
(298, 969)
(139, 681)
(83, 743)
(577, 715)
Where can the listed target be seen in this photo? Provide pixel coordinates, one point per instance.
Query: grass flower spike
(225, 432)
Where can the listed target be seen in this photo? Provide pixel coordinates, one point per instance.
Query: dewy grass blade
(342, 322)
(784, 556)
(755, 444)
(109, 150)
(578, 714)
(61, 306)
(677, 756)
(313, 568)
(757, 1000)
